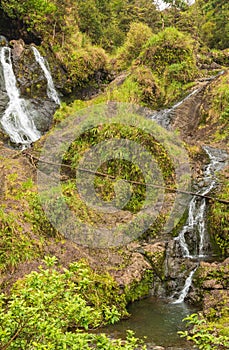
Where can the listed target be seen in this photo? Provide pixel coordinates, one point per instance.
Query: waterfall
(163, 117)
(196, 214)
(185, 290)
(51, 91)
(16, 120)
(195, 224)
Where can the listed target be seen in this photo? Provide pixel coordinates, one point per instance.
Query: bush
(204, 334)
(137, 36)
(51, 310)
(167, 48)
(182, 72)
(82, 64)
(151, 92)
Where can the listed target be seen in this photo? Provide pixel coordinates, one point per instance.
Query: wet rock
(30, 77)
(18, 47)
(3, 41)
(43, 112)
(215, 301)
(135, 270)
(3, 102)
(3, 95)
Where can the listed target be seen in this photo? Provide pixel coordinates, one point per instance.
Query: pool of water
(155, 319)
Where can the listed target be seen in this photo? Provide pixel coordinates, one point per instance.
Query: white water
(163, 117)
(16, 120)
(51, 91)
(185, 290)
(197, 207)
(196, 214)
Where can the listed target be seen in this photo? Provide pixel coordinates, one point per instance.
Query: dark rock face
(30, 77)
(15, 29)
(3, 95)
(32, 84)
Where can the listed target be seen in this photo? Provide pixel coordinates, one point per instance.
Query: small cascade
(51, 91)
(163, 117)
(16, 120)
(192, 239)
(186, 288)
(195, 223)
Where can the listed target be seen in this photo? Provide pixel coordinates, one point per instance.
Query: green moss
(139, 289)
(136, 38)
(167, 48)
(218, 220)
(156, 260)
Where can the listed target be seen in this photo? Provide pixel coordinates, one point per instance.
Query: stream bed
(155, 319)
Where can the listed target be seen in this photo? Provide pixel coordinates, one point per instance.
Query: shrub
(167, 48)
(50, 309)
(137, 36)
(151, 92)
(204, 334)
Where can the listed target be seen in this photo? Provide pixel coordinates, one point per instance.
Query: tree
(213, 22)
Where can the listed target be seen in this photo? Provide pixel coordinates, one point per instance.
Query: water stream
(16, 120)
(150, 317)
(51, 91)
(158, 319)
(163, 117)
(196, 223)
(197, 208)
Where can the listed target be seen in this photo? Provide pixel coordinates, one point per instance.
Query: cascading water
(195, 223)
(163, 117)
(195, 226)
(51, 91)
(196, 213)
(186, 288)
(16, 120)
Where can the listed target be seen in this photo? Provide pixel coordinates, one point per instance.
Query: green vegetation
(52, 309)
(136, 38)
(212, 18)
(205, 334)
(219, 220)
(153, 59)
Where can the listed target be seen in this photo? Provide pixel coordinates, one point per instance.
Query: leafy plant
(51, 309)
(204, 334)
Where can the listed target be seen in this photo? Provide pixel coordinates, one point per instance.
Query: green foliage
(137, 36)
(151, 92)
(221, 100)
(15, 245)
(205, 334)
(180, 72)
(139, 289)
(219, 220)
(177, 4)
(50, 309)
(167, 48)
(35, 13)
(82, 64)
(120, 168)
(213, 20)
(221, 56)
